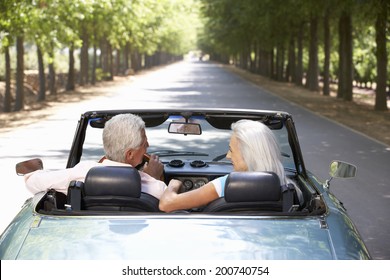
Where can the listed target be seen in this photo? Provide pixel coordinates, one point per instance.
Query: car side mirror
(340, 169)
(28, 166)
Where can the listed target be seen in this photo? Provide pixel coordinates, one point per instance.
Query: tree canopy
(295, 40)
(143, 33)
(307, 42)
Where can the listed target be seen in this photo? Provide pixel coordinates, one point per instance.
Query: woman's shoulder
(219, 184)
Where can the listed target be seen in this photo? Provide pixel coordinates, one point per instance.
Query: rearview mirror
(340, 169)
(28, 166)
(185, 128)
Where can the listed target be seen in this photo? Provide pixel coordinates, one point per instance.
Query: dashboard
(196, 173)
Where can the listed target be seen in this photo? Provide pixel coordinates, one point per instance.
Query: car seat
(253, 191)
(112, 188)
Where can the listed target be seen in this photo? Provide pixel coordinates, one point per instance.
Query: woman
(252, 147)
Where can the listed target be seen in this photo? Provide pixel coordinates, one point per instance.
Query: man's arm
(43, 180)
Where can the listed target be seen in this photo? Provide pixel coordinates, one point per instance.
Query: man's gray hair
(122, 133)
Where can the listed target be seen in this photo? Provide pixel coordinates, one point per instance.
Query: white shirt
(43, 180)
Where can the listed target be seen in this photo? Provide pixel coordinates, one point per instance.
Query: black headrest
(252, 187)
(113, 181)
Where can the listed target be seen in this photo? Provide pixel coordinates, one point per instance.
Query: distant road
(202, 84)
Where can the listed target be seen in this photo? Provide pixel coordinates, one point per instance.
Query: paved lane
(207, 85)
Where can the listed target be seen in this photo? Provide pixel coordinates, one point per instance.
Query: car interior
(115, 190)
(109, 190)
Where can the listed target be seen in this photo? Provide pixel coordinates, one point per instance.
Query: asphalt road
(201, 84)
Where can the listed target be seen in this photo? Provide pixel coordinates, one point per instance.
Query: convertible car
(108, 217)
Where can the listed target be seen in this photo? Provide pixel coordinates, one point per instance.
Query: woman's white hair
(259, 147)
(121, 133)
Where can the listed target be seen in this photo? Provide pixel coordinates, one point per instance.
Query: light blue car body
(181, 236)
(171, 237)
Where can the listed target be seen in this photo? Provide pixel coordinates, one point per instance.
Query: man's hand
(28, 166)
(154, 167)
(174, 186)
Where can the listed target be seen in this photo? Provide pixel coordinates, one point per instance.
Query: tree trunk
(345, 75)
(19, 100)
(107, 62)
(290, 70)
(255, 60)
(381, 58)
(135, 61)
(52, 74)
(280, 62)
(149, 61)
(94, 57)
(341, 80)
(299, 68)
(94, 65)
(70, 85)
(258, 59)
(326, 78)
(246, 54)
(348, 95)
(84, 65)
(7, 94)
(268, 62)
(262, 62)
(117, 70)
(312, 73)
(103, 56)
(42, 78)
(126, 57)
(272, 64)
(242, 60)
(110, 62)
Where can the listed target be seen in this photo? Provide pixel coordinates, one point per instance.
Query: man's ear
(129, 157)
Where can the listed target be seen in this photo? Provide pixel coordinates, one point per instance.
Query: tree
(312, 73)
(18, 25)
(84, 59)
(5, 43)
(70, 84)
(19, 100)
(381, 55)
(290, 71)
(7, 94)
(345, 74)
(299, 65)
(69, 14)
(40, 26)
(258, 33)
(327, 42)
(147, 30)
(42, 78)
(52, 72)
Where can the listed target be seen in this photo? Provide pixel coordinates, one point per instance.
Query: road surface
(205, 84)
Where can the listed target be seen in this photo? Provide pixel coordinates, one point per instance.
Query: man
(125, 143)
